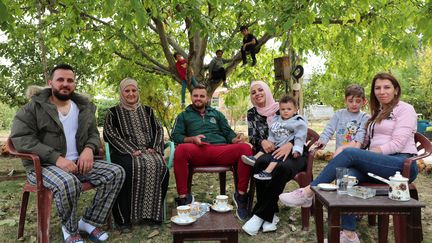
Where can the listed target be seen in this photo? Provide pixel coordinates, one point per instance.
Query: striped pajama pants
(66, 187)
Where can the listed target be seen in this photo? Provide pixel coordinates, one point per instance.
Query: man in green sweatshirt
(205, 138)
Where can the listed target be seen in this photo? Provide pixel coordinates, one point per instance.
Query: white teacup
(352, 181)
(221, 201)
(184, 212)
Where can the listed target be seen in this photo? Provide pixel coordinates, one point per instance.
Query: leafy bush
(102, 107)
(7, 114)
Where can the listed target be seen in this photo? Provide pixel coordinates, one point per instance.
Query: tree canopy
(110, 40)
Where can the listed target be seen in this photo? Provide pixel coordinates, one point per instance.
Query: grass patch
(205, 188)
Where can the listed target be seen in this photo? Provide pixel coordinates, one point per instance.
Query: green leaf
(4, 13)
(140, 14)
(108, 7)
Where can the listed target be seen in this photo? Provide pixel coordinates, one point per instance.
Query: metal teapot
(398, 186)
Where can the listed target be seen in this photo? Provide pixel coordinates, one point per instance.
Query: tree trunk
(41, 41)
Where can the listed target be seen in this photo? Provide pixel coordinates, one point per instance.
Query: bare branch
(171, 41)
(133, 43)
(147, 68)
(190, 35)
(41, 40)
(160, 30)
(201, 47)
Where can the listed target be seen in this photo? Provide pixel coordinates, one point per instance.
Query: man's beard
(62, 97)
(200, 106)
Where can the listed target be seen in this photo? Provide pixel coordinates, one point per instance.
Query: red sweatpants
(224, 154)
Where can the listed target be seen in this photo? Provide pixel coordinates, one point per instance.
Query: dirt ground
(205, 188)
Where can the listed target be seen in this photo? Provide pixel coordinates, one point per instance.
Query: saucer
(222, 210)
(327, 186)
(177, 220)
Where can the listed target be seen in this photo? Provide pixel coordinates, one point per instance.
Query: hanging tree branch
(133, 43)
(147, 68)
(160, 30)
(170, 40)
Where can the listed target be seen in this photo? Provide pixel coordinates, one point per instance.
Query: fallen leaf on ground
(291, 219)
(153, 234)
(8, 222)
(282, 237)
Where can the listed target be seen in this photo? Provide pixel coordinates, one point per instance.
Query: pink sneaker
(343, 238)
(296, 199)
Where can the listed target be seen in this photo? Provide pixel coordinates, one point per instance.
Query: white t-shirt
(70, 127)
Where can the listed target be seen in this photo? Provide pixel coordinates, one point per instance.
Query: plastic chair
(220, 169)
(169, 144)
(43, 197)
(399, 221)
(303, 178)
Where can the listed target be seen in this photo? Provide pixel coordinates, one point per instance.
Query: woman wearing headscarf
(135, 138)
(267, 191)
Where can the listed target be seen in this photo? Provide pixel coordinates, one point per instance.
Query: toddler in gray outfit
(284, 128)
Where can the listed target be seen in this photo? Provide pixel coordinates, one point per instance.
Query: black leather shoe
(184, 200)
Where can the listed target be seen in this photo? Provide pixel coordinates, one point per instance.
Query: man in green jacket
(60, 127)
(205, 138)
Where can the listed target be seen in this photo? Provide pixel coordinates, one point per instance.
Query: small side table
(379, 205)
(211, 226)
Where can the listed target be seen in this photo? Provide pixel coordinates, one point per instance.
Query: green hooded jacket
(213, 125)
(37, 129)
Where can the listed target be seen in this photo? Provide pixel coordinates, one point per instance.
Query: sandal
(95, 235)
(73, 239)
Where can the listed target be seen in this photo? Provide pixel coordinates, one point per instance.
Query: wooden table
(379, 205)
(211, 226)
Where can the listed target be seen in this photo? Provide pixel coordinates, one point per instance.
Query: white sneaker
(253, 225)
(275, 219)
(268, 227)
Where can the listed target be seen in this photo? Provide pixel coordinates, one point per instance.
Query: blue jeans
(184, 85)
(360, 162)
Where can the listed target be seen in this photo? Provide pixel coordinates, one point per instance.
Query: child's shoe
(249, 160)
(263, 175)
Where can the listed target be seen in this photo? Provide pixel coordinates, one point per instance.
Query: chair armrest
(107, 152)
(29, 156)
(170, 161)
(100, 154)
(310, 161)
(408, 161)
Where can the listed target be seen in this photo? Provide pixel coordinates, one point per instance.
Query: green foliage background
(6, 116)
(109, 40)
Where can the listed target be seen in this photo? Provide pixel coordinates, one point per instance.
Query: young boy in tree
(284, 128)
(249, 44)
(182, 67)
(349, 123)
(216, 69)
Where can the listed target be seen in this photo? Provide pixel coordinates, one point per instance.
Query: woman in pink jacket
(390, 131)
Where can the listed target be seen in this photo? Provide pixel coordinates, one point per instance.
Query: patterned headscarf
(271, 106)
(123, 103)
